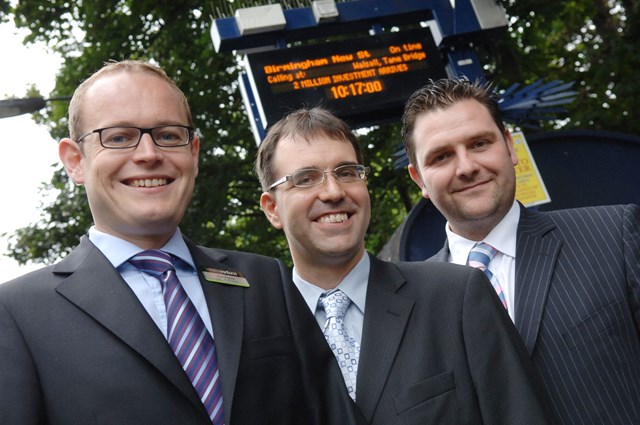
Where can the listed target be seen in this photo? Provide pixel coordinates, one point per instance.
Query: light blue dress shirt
(354, 285)
(146, 287)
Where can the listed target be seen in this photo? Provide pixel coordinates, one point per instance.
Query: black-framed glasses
(308, 177)
(125, 137)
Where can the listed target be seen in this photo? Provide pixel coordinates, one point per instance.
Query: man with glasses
(415, 342)
(139, 325)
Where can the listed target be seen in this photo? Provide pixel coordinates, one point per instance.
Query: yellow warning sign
(530, 189)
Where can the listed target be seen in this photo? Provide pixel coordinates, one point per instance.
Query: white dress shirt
(503, 265)
(146, 287)
(354, 285)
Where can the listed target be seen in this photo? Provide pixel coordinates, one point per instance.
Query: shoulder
(600, 212)
(582, 216)
(441, 287)
(230, 255)
(254, 267)
(434, 277)
(432, 268)
(29, 288)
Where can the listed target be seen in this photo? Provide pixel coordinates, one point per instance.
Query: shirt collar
(354, 285)
(119, 251)
(502, 237)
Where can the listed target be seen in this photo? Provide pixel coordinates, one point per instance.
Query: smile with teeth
(333, 218)
(148, 182)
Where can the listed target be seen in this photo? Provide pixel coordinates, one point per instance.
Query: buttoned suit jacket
(77, 347)
(438, 348)
(577, 309)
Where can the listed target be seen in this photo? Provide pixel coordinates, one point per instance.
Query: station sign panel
(365, 81)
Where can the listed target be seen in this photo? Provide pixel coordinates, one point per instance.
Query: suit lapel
(321, 374)
(94, 286)
(536, 257)
(226, 308)
(385, 319)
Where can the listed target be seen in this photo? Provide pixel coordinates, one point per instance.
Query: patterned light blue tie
(345, 348)
(187, 334)
(479, 257)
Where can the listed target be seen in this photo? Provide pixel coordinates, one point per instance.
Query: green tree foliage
(594, 43)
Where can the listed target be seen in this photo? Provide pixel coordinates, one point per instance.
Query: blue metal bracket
(457, 26)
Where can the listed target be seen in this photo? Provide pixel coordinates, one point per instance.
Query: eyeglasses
(308, 177)
(125, 137)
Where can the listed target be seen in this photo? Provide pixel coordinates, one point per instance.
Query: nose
(331, 189)
(146, 149)
(466, 165)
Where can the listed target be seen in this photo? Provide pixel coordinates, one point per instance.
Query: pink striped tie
(187, 334)
(479, 257)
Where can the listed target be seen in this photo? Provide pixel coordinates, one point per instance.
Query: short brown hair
(442, 94)
(304, 124)
(75, 107)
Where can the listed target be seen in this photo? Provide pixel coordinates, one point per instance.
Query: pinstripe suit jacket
(577, 309)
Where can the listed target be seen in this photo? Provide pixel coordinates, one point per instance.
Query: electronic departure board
(364, 81)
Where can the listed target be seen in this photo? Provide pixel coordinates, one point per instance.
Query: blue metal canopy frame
(458, 28)
(354, 16)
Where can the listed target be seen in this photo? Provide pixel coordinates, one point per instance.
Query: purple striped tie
(479, 257)
(187, 334)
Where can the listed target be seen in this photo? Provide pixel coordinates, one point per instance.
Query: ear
(270, 209)
(512, 151)
(415, 176)
(71, 157)
(195, 152)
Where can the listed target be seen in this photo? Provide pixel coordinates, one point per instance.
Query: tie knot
(153, 262)
(335, 304)
(480, 255)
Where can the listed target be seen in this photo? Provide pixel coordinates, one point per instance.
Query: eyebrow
(339, 164)
(443, 148)
(482, 135)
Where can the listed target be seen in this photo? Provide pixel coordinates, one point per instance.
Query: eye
(347, 172)
(479, 144)
(441, 157)
(119, 136)
(307, 177)
(167, 136)
(170, 134)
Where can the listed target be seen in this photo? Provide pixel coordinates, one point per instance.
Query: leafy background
(594, 43)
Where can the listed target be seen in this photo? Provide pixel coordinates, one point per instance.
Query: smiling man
(139, 325)
(415, 343)
(570, 279)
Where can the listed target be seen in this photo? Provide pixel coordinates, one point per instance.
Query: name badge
(226, 277)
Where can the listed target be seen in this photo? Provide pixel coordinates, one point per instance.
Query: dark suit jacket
(77, 347)
(577, 308)
(437, 348)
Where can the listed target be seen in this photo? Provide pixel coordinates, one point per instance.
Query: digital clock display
(365, 81)
(358, 88)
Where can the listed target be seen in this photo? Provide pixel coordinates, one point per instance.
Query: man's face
(138, 194)
(324, 224)
(465, 165)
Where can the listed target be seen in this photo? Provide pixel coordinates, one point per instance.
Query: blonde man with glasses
(138, 324)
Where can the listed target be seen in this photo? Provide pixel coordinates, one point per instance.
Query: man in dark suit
(570, 279)
(416, 343)
(90, 340)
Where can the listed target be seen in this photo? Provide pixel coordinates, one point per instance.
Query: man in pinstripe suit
(571, 278)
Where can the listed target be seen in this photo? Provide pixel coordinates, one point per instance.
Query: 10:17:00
(358, 88)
